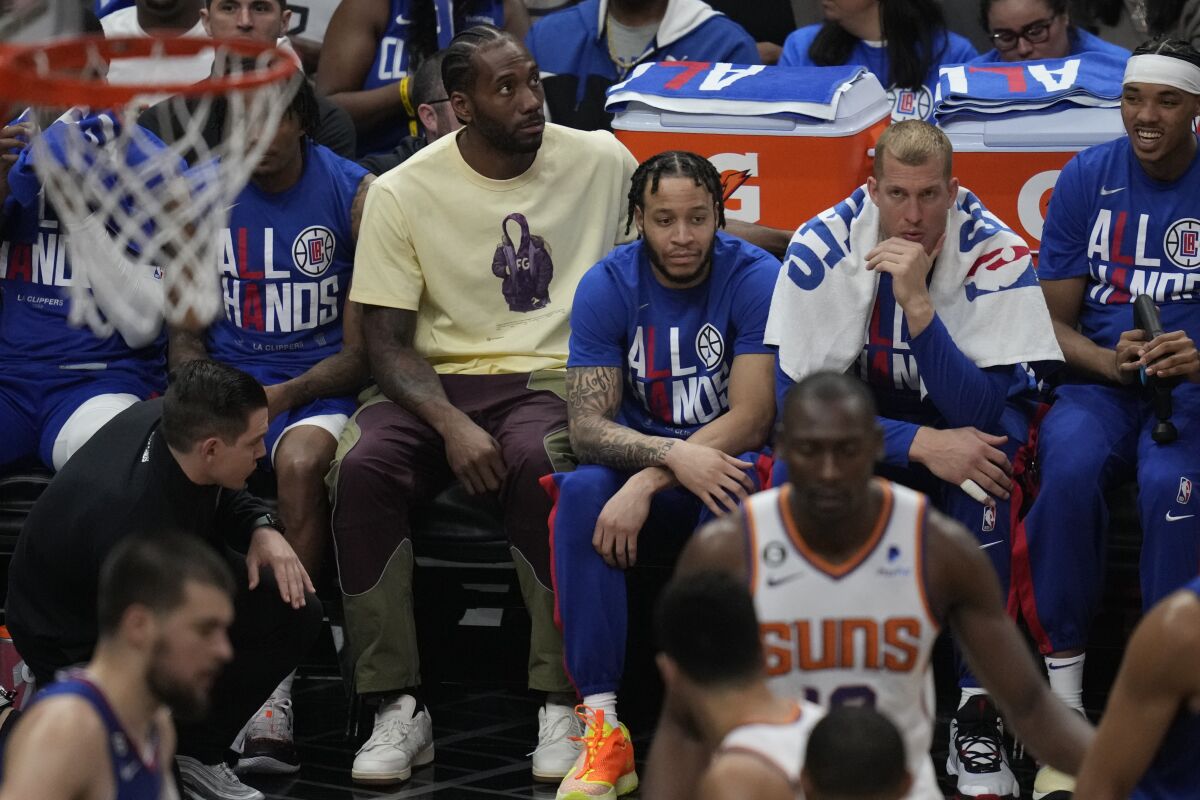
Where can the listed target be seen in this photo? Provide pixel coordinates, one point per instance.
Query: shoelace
(554, 733)
(593, 736)
(979, 746)
(392, 732)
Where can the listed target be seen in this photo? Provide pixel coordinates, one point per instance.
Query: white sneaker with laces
(212, 782)
(268, 747)
(1050, 784)
(399, 741)
(559, 743)
(977, 756)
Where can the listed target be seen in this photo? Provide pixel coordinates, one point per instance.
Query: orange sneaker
(605, 768)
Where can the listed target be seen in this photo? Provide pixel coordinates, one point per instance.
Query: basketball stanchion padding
(144, 213)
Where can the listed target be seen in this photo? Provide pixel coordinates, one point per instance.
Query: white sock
(605, 701)
(284, 690)
(1066, 679)
(967, 692)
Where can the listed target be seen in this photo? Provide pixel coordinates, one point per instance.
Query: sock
(606, 701)
(284, 690)
(967, 692)
(1066, 679)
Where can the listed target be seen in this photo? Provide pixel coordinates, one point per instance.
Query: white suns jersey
(856, 633)
(780, 744)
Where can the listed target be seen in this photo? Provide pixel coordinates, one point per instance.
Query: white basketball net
(144, 219)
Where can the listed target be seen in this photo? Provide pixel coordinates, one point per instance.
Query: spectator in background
(587, 48)
(903, 42)
(767, 21)
(435, 118)
(373, 45)
(855, 753)
(1031, 30)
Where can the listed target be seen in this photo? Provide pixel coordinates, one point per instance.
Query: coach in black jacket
(175, 463)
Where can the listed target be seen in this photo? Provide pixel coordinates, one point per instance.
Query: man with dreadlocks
(470, 255)
(285, 274)
(668, 396)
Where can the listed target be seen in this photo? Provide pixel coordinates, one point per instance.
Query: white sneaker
(559, 743)
(399, 741)
(977, 754)
(212, 782)
(1050, 784)
(268, 747)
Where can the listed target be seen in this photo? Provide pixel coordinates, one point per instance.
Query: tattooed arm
(593, 399)
(408, 380)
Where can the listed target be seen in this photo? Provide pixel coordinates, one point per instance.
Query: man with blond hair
(913, 286)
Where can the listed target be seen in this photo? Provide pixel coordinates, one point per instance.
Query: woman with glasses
(1031, 30)
(902, 41)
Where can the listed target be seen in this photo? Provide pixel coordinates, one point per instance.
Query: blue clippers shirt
(1175, 772)
(285, 268)
(136, 776)
(1081, 42)
(393, 56)
(1128, 234)
(907, 104)
(676, 346)
(35, 273)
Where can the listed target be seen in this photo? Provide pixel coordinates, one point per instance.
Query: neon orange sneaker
(605, 768)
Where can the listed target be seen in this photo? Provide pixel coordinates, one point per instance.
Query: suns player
(912, 284)
(1148, 744)
(58, 384)
(668, 380)
(1122, 223)
(711, 661)
(853, 578)
(285, 274)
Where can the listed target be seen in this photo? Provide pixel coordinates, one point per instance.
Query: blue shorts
(322, 412)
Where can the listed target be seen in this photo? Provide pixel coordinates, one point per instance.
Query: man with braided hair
(668, 380)
(470, 382)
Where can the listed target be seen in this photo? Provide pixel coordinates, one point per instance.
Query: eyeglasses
(1035, 33)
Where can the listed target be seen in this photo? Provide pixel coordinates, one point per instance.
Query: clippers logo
(774, 554)
(907, 104)
(1182, 243)
(989, 518)
(312, 252)
(1185, 491)
(1006, 268)
(710, 347)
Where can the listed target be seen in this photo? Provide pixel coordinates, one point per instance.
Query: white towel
(983, 288)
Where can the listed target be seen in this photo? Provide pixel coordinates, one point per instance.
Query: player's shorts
(51, 411)
(328, 413)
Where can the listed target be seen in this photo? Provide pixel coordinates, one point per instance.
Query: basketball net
(144, 213)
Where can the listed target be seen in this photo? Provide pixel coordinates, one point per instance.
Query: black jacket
(124, 481)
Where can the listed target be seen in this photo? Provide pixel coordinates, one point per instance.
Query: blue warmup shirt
(1128, 234)
(35, 272)
(675, 346)
(393, 54)
(285, 268)
(134, 778)
(1175, 772)
(907, 104)
(1081, 42)
(571, 49)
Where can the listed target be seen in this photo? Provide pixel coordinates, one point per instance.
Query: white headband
(1164, 70)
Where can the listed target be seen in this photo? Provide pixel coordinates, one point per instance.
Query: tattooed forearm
(403, 375)
(593, 399)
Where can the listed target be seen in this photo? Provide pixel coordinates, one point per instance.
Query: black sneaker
(977, 754)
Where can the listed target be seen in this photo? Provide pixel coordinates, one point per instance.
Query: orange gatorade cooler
(789, 141)
(1012, 164)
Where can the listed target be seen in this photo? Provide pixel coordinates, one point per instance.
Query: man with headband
(1122, 222)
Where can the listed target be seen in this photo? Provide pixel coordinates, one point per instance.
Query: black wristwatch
(269, 520)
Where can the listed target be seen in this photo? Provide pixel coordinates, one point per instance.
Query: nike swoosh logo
(1062, 666)
(776, 581)
(1105, 192)
(990, 544)
(1176, 519)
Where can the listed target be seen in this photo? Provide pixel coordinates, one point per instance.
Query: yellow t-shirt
(491, 266)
